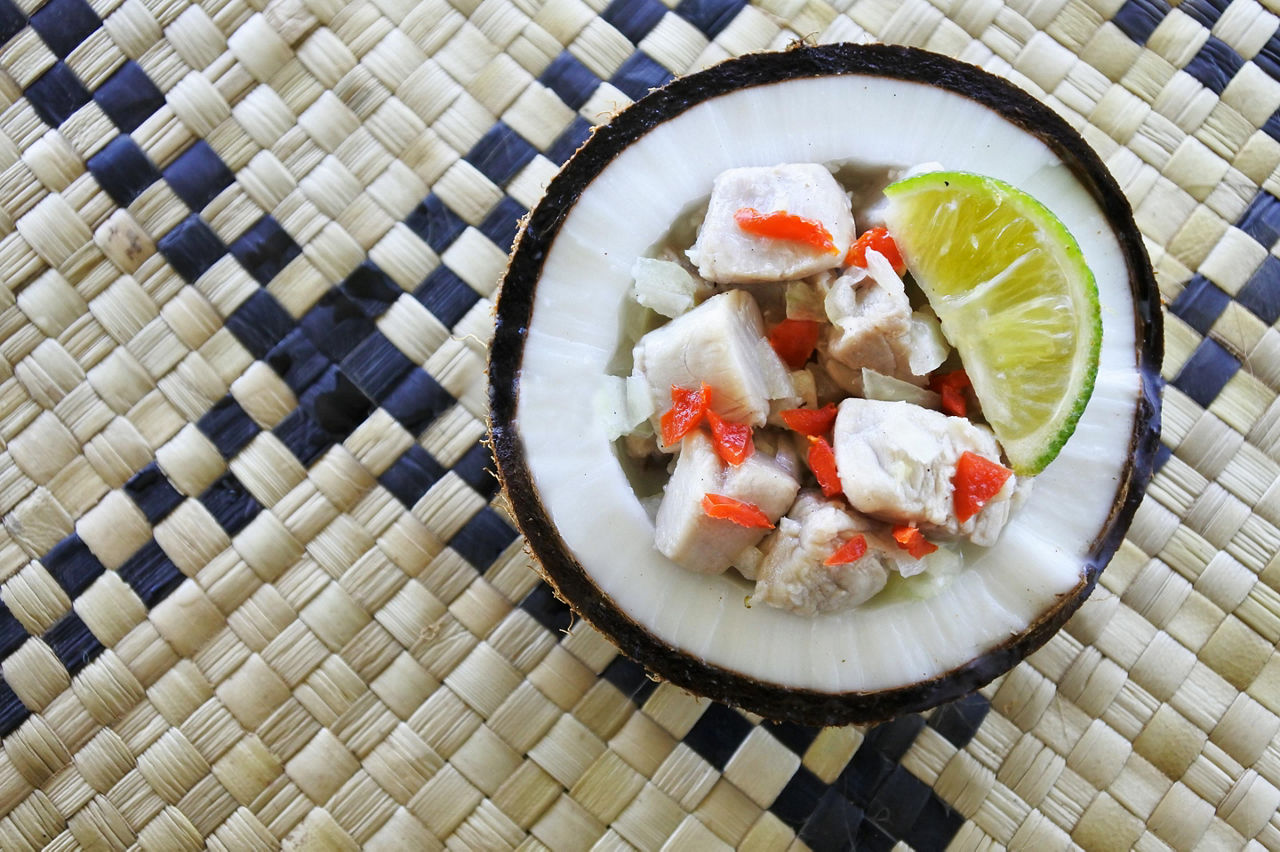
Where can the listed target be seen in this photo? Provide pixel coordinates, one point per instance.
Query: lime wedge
(1015, 297)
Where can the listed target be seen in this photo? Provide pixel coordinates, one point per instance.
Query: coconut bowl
(558, 325)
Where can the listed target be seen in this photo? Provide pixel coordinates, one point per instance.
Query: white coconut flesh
(575, 330)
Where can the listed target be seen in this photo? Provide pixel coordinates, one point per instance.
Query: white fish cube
(726, 254)
(871, 325)
(686, 535)
(793, 574)
(897, 460)
(720, 342)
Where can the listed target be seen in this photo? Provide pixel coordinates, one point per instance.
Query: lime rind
(1028, 451)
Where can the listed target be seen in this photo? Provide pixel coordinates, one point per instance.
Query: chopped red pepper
(951, 387)
(913, 541)
(740, 512)
(732, 440)
(688, 408)
(977, 480)
(851, 551)
(794, 341)
(810, 421)
(875, 239)
(782, 225)
(822, 461)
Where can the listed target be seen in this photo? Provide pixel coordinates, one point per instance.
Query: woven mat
(258, 588)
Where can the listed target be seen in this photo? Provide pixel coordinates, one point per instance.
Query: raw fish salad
(793, 410)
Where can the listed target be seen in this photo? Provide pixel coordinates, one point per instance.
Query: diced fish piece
(896, 462)
(726, 254)
(686, 534)
(793, 575)
(720, 342)
(871, 326)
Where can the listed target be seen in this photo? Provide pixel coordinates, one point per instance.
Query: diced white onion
(921, 169)
(881, 270)
(806, 387)
(650, 505)
(888, 389)
(622, 404)
(777, 380)
(666, 287)
(874, 215)
(805, 301)
(841, 299)
(610, 406)
(640, 405)
(929, 347)
(933, 574)
(748, 562)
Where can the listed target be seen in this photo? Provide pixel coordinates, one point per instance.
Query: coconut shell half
(557, 327)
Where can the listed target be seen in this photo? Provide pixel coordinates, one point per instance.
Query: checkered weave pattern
(258, 589)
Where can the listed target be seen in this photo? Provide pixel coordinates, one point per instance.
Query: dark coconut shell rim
(573, 583)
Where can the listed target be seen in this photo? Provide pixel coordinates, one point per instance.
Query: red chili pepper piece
(913, 541)
(977, 480)
(951, 387)
(731, 440)
(740, 512)
(688, 408)
(810, 421)
(875, 239)
(794, 341)
(781, 225)
(851, 551)
(822, 461)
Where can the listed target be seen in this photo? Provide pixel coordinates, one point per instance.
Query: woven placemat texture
(258, 586)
